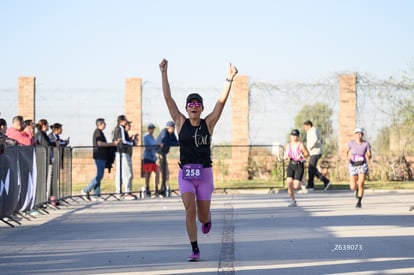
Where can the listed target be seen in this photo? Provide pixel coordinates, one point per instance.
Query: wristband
(229, 80)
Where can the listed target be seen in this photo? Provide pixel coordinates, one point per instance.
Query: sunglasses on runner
(194, 104)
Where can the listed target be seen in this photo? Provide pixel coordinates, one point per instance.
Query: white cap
(359, 130)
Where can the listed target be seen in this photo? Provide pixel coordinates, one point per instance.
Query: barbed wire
(272, 106)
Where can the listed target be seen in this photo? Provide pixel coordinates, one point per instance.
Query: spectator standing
(357, 154)
(3, 126)
(314, 146)
(133, 138)
(165, 140)
(296, 153)
(42, 139)
(16, 132)
(29, 127)
(3, 137)
(101, 154)
(54, 136)
(150, 160)
(41, 136)
(123, 159)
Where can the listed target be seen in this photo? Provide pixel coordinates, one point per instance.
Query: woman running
(357, 154)
(195, 176)
(296, 153)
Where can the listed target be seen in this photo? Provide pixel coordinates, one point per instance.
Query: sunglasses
(194, 104)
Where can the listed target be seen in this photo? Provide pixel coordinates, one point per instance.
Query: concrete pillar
(240, 127)
(133, 111)
(347, 111)
(26, 97)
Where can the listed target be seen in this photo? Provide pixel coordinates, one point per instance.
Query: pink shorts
(202, 189)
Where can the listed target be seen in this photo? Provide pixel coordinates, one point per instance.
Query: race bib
(192, 171)
(358, 158)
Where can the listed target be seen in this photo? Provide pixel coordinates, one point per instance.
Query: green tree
(320, 114)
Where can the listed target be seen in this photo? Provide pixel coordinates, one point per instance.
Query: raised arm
(176, 115)
(214, 116)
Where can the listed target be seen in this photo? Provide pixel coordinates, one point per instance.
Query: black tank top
(195, 144)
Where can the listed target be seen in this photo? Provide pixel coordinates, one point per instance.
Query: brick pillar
(347, 111)
(240, 131)
(27, 88)
(133, 111)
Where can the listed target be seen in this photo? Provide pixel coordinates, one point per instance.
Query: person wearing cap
(165, 140)
(54, 136)
(150, 159)
(357, 154)
(314, 146)
(295, 153)
(123, 159)
(195, 176)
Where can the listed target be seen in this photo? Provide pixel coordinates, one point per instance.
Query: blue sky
(92, 44)
(98, 43)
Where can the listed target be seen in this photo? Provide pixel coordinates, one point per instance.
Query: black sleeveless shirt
(195, 144)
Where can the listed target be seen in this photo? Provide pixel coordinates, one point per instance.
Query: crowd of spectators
(25, 132)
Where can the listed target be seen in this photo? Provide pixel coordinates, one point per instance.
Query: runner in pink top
(296, 153)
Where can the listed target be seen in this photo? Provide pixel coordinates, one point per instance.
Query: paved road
(253, 233)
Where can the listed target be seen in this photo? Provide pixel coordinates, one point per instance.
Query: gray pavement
(253, 233)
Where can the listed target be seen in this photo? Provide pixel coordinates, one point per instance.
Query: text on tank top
(195, 142)
(296, 154)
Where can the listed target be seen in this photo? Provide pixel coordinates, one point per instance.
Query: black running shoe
(358, 205)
